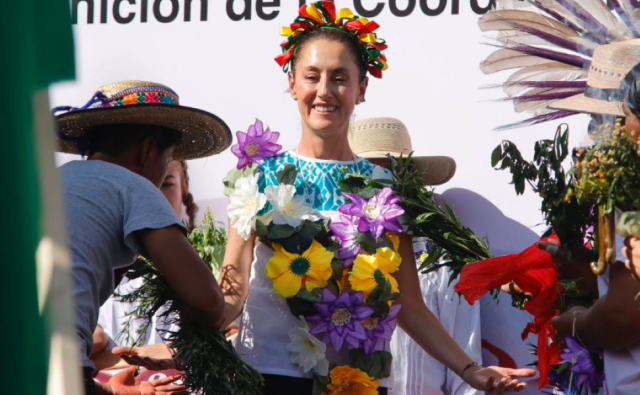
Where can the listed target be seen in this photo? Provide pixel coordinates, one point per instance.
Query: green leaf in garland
(230, 180)
(384, 242)
(301, 240)
(337, 266)
(376, 365)
(367, 243)
(320, 384)
(288, 175)
(352, 184)
(314, 296)
(261, 229)
(277, 232)
(300, 307)
(368, 192)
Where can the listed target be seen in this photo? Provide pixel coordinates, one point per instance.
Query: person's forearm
(613, 321)
(606, 326)
(235, 295)
(425, 329)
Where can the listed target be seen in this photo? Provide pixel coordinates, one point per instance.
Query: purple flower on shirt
(586, 364)
(379, 331)
(346, 231)
(255, 145)
(377, 214)
(339, 319)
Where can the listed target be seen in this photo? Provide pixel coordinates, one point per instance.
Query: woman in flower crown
(315, 317)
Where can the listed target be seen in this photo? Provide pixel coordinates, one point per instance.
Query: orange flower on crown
(322, 14)
(348, 381)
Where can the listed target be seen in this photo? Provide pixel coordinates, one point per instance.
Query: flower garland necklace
(336, 275)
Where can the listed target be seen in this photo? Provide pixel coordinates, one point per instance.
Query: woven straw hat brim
(581, 103)
(203, 134)
(440, 169)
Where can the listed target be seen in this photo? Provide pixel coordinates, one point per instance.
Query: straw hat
(146, 103)
(376, 137)
(604, 93)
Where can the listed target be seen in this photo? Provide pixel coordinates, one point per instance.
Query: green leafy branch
(209, 360)
(546, 176)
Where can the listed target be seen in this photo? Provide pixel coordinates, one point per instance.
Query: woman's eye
(167, 184)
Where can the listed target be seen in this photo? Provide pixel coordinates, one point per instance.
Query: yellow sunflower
(369, 271)
(290, 272)
(348, 381)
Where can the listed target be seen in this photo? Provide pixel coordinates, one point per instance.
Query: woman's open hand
(495, 379)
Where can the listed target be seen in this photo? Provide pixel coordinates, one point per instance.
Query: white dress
(266, 319)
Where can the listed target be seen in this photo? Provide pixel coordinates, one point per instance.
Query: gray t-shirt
(106, 204)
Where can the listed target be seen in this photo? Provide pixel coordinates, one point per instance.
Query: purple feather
(595, 27)
(542, 97)
(558, 41)
(634, 3)
(549, 84)
(536, 120)
(626, 18)
(558, 16)
(569, 59)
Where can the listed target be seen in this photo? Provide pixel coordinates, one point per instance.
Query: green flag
(36, 49)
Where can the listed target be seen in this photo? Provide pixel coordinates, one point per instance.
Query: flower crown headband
(322, 14)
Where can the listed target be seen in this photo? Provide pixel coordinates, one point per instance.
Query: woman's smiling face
(327, 85)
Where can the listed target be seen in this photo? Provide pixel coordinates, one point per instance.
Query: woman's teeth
(324, 109)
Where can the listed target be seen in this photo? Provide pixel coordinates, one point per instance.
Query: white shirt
(417, 373)
(113, 318)
(621, 368)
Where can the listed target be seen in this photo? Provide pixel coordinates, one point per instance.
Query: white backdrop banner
(219, 56)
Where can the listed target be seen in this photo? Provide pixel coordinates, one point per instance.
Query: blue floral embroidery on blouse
(321, 186)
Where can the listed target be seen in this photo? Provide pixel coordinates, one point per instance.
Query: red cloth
(533, 271)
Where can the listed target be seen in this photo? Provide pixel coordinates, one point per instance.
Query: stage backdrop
(218, 55)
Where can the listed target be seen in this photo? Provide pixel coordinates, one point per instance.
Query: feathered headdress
(322, 14)
(550, 44)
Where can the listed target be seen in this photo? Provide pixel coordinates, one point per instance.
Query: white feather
(505, 59)
(550, 71)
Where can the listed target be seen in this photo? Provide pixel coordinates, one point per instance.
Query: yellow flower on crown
(369, 271)
(290, 272)
(348, 381)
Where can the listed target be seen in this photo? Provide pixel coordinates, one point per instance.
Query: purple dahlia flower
(346, 232)
(340, 319)
(584, 364)
(377, 214)
(380, 331)
(255, 145)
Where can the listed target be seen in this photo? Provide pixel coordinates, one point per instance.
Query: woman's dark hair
(332, 34)
(187, 198)
(114, 140)
(631, 87)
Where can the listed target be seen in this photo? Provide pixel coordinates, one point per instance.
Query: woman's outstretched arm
(425, 329)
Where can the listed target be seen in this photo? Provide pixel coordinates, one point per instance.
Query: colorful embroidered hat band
(322, 14)
(143, 103)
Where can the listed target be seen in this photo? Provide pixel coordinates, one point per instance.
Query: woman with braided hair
(176, 189)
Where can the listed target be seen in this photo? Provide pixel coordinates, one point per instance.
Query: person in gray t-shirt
(115, 210)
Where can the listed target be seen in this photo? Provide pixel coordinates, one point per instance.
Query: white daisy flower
(244, 204)
(307, 351)
(287, 208)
